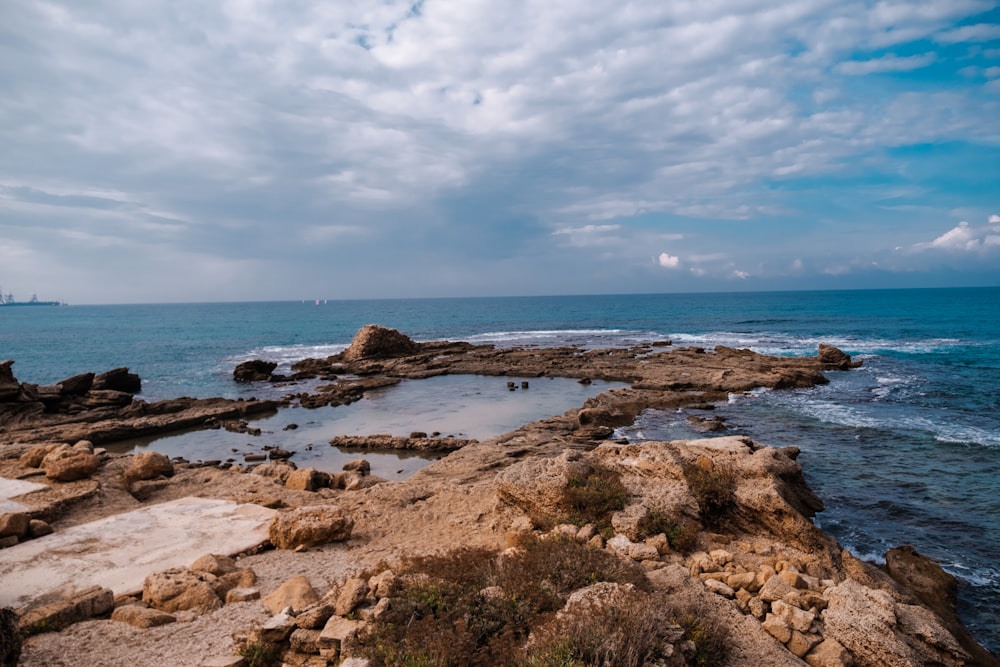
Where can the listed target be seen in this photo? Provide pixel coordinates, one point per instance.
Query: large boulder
(149, 465)
(118, 379)
(78, 385)
(922, 575)
(834, 358)
(180, 589)
(376, 342)
(309, 526)
(69, 465)
(214, 564)
(879, 631)
(537, 486)
(296, 593)
(54, 616)
(255, 370)
(10, 388)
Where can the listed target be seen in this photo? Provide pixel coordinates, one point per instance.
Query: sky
(155, 151)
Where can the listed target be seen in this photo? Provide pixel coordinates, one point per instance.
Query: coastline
(689, 377)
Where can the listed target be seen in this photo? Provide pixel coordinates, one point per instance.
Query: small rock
(358, 465)
(241, 594)
(620, 543)
(214, 564)
(303, 479)
(141, 617)
(277, 628)
(801, 643)
(383, 584)
(296, 594)
(774, 589)
(720, 588)
(353, 593)
(829, 653)
(38, 528)
(303, 640)
(743, 580)
(337, 632)
(795, 618)
(315, 617)
(641, 551)
(14, 524)
(777, 628)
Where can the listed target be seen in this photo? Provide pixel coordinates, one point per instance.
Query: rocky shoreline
(722, 524)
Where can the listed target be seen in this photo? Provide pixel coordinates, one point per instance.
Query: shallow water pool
(464, 406)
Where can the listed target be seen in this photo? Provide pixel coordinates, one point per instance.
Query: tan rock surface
(476, 494)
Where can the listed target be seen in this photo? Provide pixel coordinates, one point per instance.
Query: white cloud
(265, 129)
(959, 238)
(669, 261)
(963, 238)
(980, 32)
(994, 218)
(588, 236)
(889, 63)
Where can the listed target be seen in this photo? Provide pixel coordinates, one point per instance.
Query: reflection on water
(465, 406)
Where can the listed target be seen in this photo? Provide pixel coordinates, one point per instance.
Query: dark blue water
(904, 450)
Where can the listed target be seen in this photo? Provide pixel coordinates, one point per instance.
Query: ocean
(905, 449)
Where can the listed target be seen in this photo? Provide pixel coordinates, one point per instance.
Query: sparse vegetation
(681, 533)
(634, 632)
(713, 486)
(475, 607)
(593, 497)
(258, 654)
(710, 638)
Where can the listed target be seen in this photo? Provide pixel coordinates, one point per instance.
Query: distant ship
(8, 300)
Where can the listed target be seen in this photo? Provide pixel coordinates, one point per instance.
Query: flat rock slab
(11, 488)
(118, 552)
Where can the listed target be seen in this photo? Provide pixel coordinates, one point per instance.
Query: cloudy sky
(263, 149)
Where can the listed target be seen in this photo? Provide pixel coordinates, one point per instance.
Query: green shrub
(682, 534)
(474, 607)
(258, 654)
(593, 497)
(711, 638)
(633, 632)
(713, 490)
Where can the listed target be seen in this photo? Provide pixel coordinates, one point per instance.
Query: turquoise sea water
(904, 450)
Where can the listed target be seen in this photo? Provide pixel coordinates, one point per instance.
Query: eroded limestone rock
(309, 526)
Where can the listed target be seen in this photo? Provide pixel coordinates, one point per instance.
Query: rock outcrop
(377, 342)
(723, 524)
(255, 370)
(309, 526)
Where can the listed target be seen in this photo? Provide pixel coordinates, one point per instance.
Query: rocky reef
(697, 551)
